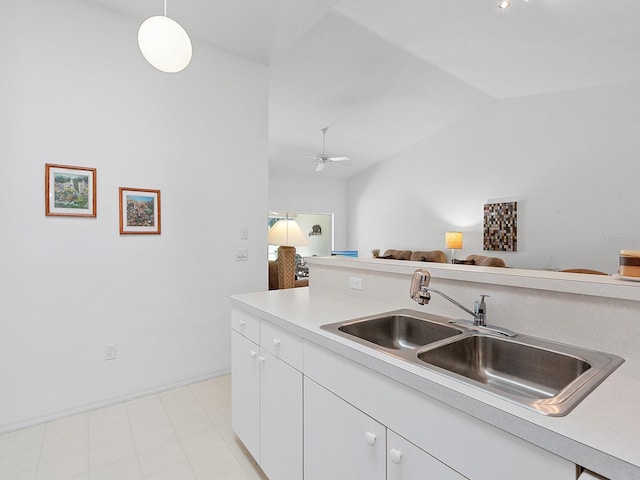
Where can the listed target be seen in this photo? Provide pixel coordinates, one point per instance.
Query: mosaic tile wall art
(501, 227)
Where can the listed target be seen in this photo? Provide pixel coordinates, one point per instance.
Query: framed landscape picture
(69, 191)
(139, 210)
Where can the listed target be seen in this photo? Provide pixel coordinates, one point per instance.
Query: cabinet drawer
(281, 343)
(246, 324)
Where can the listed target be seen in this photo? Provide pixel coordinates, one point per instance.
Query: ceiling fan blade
(323, 159)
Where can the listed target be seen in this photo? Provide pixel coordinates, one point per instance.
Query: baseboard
(105, 402)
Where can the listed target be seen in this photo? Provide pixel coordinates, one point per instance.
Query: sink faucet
(421, 292)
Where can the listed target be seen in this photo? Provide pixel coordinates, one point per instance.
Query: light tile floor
(180, 434)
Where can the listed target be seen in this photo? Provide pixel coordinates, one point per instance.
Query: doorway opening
(317, 226)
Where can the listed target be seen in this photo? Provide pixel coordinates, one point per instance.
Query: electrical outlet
(355, 283)
(244, 233)
(110, 351)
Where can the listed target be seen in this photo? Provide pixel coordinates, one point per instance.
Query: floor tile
(144, 406)
(202, 443)
(177, 397)
(227, 432)
(161, 458)
(109, 434)
(220, 416)
(182, 471)
(104, 417)
(126, 469)
(240, 452)
(20, 440)
(149, 421)
(224, 381)
(19, 462)
(104, 455)
(254, 472)
(63, 448)
(213, 464)
(66, 427)
(181, 434)
(237, 474)
(64, 469)
(155, 438)
(24, 475)
(182, 411)
(192, 425)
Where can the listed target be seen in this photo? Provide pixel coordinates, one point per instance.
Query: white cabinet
(267, 395)
(472, 447)
(340, 442)
(405, 461)
(280, 419)
(245, 392)
(343, 442)
(358, 423)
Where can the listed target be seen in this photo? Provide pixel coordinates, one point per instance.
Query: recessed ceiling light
(504, 4)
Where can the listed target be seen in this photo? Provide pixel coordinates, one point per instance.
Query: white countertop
(601, 433)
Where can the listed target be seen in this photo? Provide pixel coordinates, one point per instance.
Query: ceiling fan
(323, 159)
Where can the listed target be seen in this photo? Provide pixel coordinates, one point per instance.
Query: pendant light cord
(165, 8)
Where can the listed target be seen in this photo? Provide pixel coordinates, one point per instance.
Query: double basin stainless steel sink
(548, 377)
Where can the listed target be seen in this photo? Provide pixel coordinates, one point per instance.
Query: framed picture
(139, 210)
(69, 191)
(501, 227)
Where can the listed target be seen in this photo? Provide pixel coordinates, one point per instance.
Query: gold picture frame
(70, 191)
(140, 211)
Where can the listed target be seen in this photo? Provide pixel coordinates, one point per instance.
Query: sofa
(483, 261)
(437, 256)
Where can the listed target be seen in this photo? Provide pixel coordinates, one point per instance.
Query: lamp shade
(453, 240)
(164, 44)
(287, 232)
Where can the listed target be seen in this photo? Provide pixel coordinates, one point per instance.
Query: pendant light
(164, 43)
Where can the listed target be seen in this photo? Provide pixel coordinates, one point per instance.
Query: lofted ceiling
(384, 75)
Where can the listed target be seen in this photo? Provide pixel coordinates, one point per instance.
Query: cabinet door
(280, 419)
(405, 461)
(245, 392)
(340, 442)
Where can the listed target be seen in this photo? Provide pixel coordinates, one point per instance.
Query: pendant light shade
(164, 44)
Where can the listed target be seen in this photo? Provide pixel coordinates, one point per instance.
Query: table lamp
(287, 234)
(453, 241)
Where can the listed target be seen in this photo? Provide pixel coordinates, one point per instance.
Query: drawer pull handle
(370, 438)
(261, 359)
(242, 323)
(276, 342)
(395, 455)
(253, 354)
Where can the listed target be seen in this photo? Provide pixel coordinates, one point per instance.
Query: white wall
(75, 90)
(319, 245)
(570, 160)
(291, 192)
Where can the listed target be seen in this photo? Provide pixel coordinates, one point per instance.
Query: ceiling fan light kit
(323, 159)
